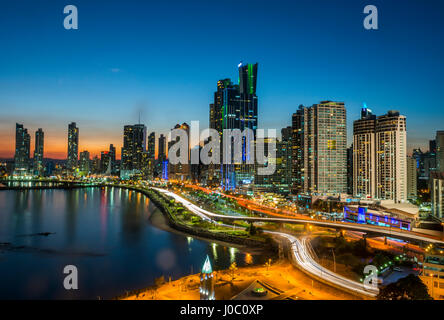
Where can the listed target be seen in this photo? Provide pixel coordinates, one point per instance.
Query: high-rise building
(134, 145)
(437, 194)
(180, 171)
(162, 162)
(73, 146)
(236, 107)
(207, 281)
(379, 156)
(364, 155)
(84, 163)
(22, 150)
(38, 152)
(319, 149)
(112, 156)
(412, 190)
(391, 153)
(440, 151)
(151, 146)
(350, 170)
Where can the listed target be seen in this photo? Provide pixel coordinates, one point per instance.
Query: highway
(389, 232)
(299, 250)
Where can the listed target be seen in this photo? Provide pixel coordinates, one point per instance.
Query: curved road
(299, 251)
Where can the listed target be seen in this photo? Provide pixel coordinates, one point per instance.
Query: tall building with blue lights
(235, 106)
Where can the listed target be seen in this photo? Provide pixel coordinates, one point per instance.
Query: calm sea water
(106, 233)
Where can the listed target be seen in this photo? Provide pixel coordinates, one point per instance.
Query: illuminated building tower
(437, 194)
(73, 146)
(350, 170)
(180, 171)
(439, 145)
(364, 155)
(22, 150)
(112, 156)
(433, 271)
(38, 152)
(84, 163)
(391, 154)
(207, 281)
(412, 191)
(105, 162)
(162, 162)
(236, 107)
(151, 146)
(319, 149)
(134, 145)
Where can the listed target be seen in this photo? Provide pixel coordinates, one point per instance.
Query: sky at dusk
(163, 59)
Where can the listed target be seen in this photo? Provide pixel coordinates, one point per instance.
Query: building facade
(391, 157)
(412, 189)
(134, 145)
(38, 152)
(73, 146)
(437, 194)
(22, 150)
(319, 161)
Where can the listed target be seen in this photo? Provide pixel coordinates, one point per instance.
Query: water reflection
(107, 233)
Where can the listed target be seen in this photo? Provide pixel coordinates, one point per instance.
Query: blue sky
(163, 58)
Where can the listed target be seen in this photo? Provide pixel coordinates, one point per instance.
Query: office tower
(162, 148)
(391, 153)
(319, 149)
(105, 162)
(134, 144)
(38, 152)
(411, 178)
(437, 194)
(180, 171)
(84, 163)
(440, 151)
(432, 146)
(432, 271)
(350, 170)
(364, 155)
(22, 150)
(235, 106)
(162, 162)
(73, 146)
(151, 145)
(284, 166)
(207, 281)
(379, 156)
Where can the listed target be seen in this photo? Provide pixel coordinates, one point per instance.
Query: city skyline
(73, 77)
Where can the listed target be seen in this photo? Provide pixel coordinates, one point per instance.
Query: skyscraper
(134, 144)
(38, 152)
(180, 171)
(319, 149)
(412, 191)
(22, 150)
(151, 146)
(440, 151)
(391, 153)
(84, 163)
(73, 146)
(364, 155)
(162, 162)
(236, 107)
